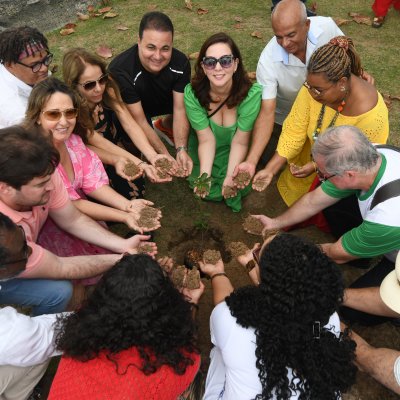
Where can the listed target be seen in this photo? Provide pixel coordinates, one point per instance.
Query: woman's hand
(185, 164)
(254, 273)
(212, 269)
(302, 172)
(133, 244)
(120, 164)
(229, 189)
(137, 205)
(151, 173)
(166, 264)
(193, 295)
(245, 166)
(262, 180)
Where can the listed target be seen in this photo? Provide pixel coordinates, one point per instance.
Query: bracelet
(250, 265)
(195, 306)
(180, 148)
(218, 274)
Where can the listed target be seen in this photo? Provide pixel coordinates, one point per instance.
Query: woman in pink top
(57, 110)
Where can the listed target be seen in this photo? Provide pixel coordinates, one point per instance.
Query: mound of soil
(148, 217)
(211, 256)
(238, 249)
(164, 166)
(229, 191)
(182, 277)
(131, 169)
(242, 178)
(259, 185)
(253, 225)
(192, 258)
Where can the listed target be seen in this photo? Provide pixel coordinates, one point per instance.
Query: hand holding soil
(165, 167)
(238, 249)
(253, 225)
(147, 248)
(182, 277)
(245, 168)
(132, 170)
(302, 172)
(229, 189)
(202, 185)
(262, 180)
(242, 179)
(149, 218)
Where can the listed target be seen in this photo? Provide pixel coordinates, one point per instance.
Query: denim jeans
(45, 296)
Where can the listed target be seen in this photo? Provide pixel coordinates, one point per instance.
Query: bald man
(281, 70)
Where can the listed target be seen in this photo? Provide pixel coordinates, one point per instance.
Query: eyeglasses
(25, 250)
(36, 67)
(55, 115)
(321, 176)
(90, 85)
(317, 92)
(224, 62)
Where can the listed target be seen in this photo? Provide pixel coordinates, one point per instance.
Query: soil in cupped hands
(253, 225)
(237, 249)
(131, 169)
(211, 256)
(145, 248)
(164, 166)
(242, 178)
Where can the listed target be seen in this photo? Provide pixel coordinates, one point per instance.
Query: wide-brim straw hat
(390, 287)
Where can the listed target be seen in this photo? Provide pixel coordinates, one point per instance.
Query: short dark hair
(14, 41)
(156, 21)
(6, 226)
(24, 155)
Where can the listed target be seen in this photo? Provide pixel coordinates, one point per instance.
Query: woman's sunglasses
(92, 84)
(224, 62)
(55, 115)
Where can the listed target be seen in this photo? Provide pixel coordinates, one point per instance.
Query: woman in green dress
(222, 106)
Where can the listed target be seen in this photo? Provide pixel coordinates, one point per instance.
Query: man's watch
(250, 265)
(180, 148)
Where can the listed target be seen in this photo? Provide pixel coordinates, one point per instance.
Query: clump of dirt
(238, 249)
(259, 185)
(253, 226)
(148, 217)
(211, 256)
(192, 258)
(182, 277)
(178, 275)
(242, 178)
(131, 169)
(164, 167)
(145, 248)
(192, 279)
(229, 191)
(180, 172)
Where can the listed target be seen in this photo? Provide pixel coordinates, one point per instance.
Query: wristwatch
(250, 265)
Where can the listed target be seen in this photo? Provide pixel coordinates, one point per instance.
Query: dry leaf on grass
(151, 7)
(252, 75)
(65, 32)
(104, 51)
(188, 4)
(238, 19)
(238, 26)
(82, 17)
(194, 56)
(110, 15)
(90, 9)
(313, 6)
(122, 28)
(104, 10)
(202, 11)
(256, 34)
(342, 21)
(360, 19)
(69, 26)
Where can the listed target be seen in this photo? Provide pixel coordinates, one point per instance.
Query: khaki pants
(17, 383)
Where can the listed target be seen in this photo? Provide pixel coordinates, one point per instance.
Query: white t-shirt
(233, 374)
(26, 341)
(14, 95)
(281, 74)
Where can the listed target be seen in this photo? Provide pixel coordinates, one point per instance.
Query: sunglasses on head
(92, 84)
(224, 62)
(55, 115)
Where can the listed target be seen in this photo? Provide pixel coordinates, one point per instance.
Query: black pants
(373, 278)
(270, 149)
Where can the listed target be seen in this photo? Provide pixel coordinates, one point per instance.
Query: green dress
(247, 112)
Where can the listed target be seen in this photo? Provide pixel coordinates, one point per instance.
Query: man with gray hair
(347, 163)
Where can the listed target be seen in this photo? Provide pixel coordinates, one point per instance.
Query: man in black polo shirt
(152, 76)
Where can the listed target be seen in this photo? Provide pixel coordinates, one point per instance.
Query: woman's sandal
(378, 22)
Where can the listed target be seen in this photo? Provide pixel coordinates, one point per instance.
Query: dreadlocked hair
(14, 41)
(299, 287)
(336, 59)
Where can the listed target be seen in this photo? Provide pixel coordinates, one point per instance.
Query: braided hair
(336, 59)
(14, 41)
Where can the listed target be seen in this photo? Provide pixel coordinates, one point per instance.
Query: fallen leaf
(69, 26)
(90, 9)
(257, 34)
(313, 6)
(54, 68)
(104, 51)
(238, 26)
(252, 76)
(97, 14)
(363, 20)
(65, 32)
(122, 28)
(188, 4)
(104, 10)
(152, 7)
(194, 56)
(342, 21)
(82, 17)
(238, 19)
(202, 11)
(354, 14)
(110, 15)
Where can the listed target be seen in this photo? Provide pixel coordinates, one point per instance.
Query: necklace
(317, 129)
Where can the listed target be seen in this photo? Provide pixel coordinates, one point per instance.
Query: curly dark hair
(14, 41)
(133, 305)
(201, 85)
(6, 226)
(299, 286)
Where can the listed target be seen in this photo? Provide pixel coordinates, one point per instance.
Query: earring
(342, 89)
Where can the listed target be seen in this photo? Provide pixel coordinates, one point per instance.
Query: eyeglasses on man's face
(37, 65)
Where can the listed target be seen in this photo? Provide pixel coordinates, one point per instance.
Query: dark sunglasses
(90, 85)
(36, 67)
(25, 250)
(224, 62)
(55, 115)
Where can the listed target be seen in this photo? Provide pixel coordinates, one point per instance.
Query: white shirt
(281, 74)
(14, 95)
(26, 341)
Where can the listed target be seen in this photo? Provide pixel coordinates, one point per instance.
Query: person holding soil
(87, 73)
(222, 106)
(334, 94)
(152, 354)
(56, 109)
(280, 339)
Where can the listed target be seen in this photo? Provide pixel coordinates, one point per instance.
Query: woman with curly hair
(222, 106)
(134, 339)
(287, 327)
